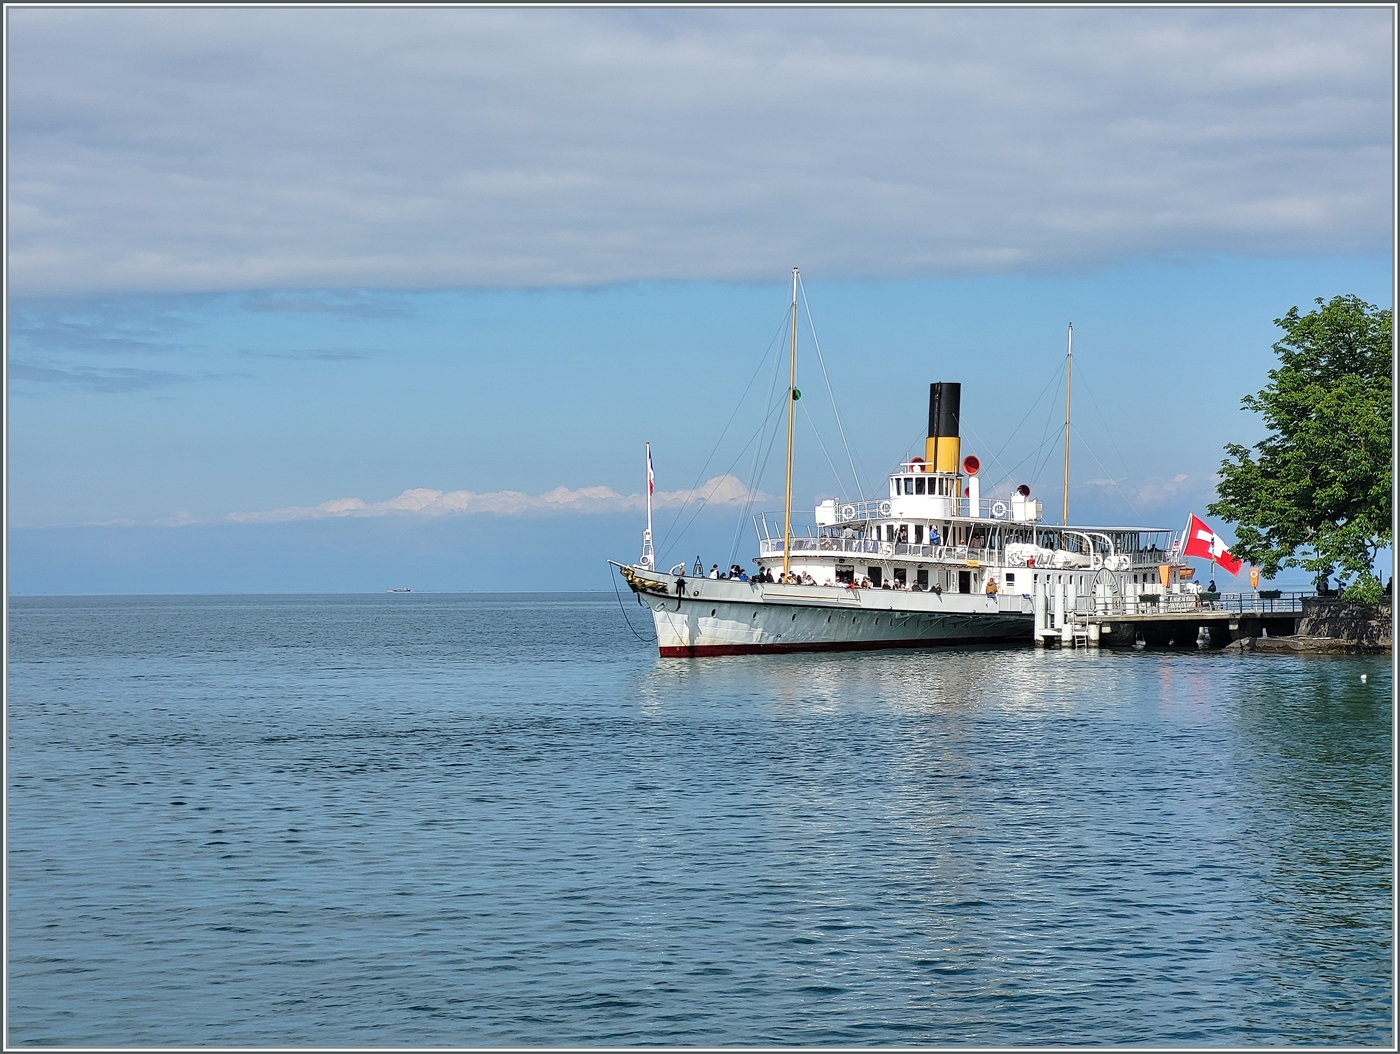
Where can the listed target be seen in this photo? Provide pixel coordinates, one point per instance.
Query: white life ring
(999, 509)
(848, 512)
(884, 508)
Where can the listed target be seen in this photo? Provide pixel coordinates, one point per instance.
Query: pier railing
(1264, 602)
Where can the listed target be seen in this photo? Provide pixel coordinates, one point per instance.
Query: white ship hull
(728, 617)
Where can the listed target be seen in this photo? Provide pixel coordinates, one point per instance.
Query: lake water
(500, 819)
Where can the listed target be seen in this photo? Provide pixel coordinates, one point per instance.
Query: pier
(1211, 620)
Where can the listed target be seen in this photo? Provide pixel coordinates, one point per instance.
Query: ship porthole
(794, 618)
(828, 618)
(712, 612)
(755, 614)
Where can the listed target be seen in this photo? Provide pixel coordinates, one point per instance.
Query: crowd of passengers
(763, 574)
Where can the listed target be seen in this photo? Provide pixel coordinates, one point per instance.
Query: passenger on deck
(714, 570)
(808, 580)
(865, 583)
(937, 590)
(991, 587)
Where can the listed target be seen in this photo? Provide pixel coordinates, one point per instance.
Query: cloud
(344, 304)
(719, 490)
(1155, 493)
(96, 379)
(160, 149)
(309, 354)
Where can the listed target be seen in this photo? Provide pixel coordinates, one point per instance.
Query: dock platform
(1178, 620)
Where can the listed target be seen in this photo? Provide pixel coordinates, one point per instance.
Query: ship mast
(792, 401)
(1069, 370)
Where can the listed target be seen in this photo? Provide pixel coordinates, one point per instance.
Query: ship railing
(951, 554)
(862, 511)
(1263, 602)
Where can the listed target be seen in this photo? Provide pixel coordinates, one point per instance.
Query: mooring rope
(620, 607)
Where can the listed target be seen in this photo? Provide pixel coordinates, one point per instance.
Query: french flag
(651, 476)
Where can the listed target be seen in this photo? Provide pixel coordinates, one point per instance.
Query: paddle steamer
(932, 561)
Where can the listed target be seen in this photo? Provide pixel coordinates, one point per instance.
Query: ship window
(918, 534)
(900, 577)
(908, 484)
(1010, 579)
(923, 578)
(919, 485)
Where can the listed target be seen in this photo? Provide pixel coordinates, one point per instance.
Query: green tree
(1315, 493)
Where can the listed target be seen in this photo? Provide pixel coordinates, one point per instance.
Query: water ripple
(481, 820)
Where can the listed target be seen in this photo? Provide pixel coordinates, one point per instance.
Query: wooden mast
(792, 400)
(1069, 370)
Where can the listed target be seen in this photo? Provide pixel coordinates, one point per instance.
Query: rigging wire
(1044, 438)
(808, 418)
(715, 449)
(829, 390)
(753, 486)
(996, 458)
(1051, 441)
(1121, 492)
(754, 470)
(1109, 432)
(700, 507)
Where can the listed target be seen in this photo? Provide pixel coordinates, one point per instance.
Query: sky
(338, 300)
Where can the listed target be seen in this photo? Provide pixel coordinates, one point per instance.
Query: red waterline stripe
(695, 651)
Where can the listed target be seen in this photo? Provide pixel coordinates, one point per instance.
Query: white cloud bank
(420, 501)
(1152, 494)
(186, 148)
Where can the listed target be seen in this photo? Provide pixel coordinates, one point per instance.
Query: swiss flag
(1203, 542)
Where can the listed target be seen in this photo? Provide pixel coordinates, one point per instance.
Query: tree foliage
(1316, 491)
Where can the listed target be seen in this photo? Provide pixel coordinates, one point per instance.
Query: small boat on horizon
(405, 589)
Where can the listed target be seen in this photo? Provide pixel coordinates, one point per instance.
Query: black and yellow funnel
(944, 404)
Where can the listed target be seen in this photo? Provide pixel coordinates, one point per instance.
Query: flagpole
(648, 553)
